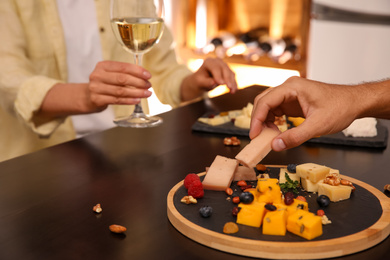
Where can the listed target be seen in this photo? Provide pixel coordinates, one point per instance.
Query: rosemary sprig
(289, 185)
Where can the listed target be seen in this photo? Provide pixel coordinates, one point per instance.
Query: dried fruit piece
(230, 228)
(235, 211)
(97, 208)
(387, 187)
(301, 198)
(261, 167)
(117, 229)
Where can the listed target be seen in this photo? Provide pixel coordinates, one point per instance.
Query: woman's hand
(110, 83)
(212, 73)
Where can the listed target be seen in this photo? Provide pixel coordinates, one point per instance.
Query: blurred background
(267, 41)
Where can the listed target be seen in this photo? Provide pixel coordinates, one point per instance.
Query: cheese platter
(357, 224)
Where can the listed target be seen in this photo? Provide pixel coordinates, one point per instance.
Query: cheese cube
(244, 173)
(258, 148)
(309, 186)
(335, 193)
(214, 121)
(297, 205)
(269, 191)
(242, 121)
(275, 222)
(311, 171)
(305, 224)
(220, 174)
(251, 214)
(282, 175)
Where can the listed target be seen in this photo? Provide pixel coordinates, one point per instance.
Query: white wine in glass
(138, 26)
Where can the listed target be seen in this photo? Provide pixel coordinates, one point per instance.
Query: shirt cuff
(28, 102)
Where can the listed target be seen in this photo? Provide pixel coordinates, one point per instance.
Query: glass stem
(138, 61)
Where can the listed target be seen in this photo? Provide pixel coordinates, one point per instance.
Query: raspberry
(190, 178)
(196, 190)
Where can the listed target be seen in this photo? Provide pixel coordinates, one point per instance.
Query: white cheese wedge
(220, 174)
(282, 175)
(242, 121)
(258, 148)
(335, 193)
(244, 173)
(312, 171)
(362, 127)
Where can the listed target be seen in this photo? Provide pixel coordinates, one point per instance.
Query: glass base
(138, 120)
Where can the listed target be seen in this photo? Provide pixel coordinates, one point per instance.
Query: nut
(189, 200)
(97, 208)
(345, 182)
(117, 229)
(332, 179)
(229, 191)
(233, 141)
(387, 187)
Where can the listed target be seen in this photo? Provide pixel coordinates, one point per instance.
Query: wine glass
(138, 26)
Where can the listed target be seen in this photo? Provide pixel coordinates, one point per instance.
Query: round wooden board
(341, 246)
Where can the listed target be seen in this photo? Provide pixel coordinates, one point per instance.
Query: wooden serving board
(357, 224)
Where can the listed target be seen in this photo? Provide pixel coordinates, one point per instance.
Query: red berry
(196, 190)
(190, 178)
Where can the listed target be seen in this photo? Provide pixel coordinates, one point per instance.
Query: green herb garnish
(289, 185)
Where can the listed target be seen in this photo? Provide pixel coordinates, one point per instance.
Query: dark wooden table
(46, 198)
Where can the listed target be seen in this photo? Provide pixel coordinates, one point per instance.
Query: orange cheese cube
(258, 147)
(251, 214)
(269, 191)
(275, 222)
(305, 224)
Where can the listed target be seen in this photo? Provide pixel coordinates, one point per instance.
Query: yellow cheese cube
(335, 193)
(251, 214)
(305, 224)
(269, 191)
(275, 222)
(311, 171)
(282, 175)
(242, 121)
(310, 186)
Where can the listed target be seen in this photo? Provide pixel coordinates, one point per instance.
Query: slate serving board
(379, 141)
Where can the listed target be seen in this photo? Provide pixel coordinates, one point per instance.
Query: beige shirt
(33, 59)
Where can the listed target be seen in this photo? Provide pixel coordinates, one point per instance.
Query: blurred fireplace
(260, 33)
